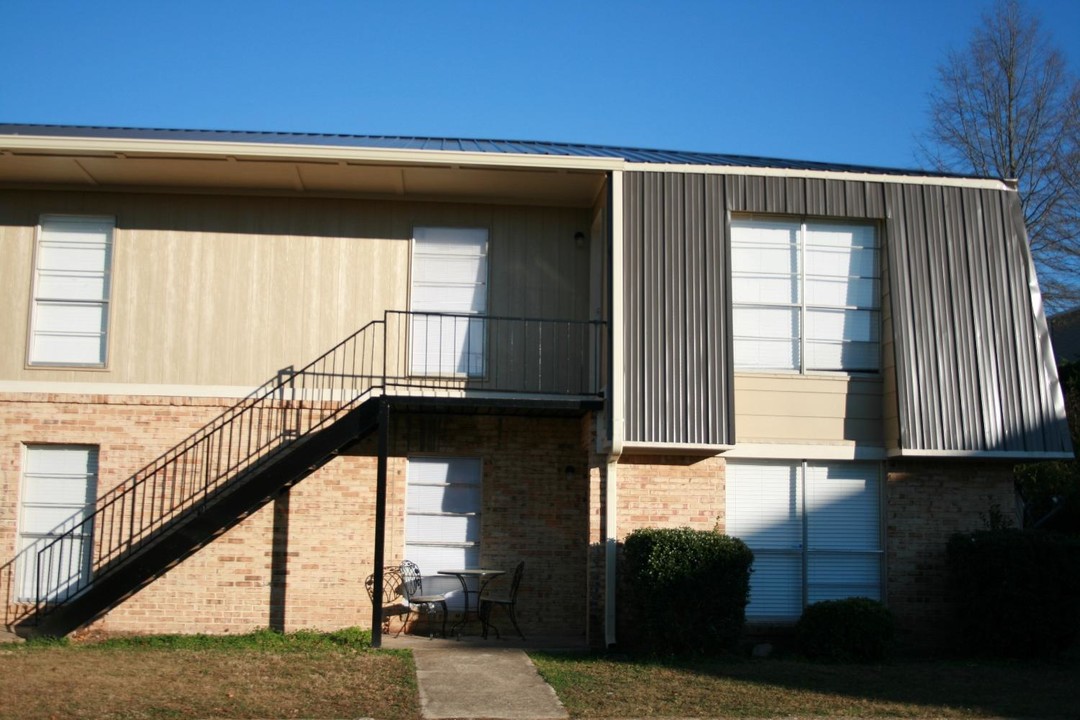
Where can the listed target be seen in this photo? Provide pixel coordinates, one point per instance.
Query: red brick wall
(670, 491)
(665, 491)
(228, 585)
(926, 502)
(302, 562)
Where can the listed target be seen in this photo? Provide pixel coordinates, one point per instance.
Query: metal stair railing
(279, 414)
(426, 353)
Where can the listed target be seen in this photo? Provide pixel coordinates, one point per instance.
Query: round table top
(472, 572)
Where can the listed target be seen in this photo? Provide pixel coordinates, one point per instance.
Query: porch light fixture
(579, 239)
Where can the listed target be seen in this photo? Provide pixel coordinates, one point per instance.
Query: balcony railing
(445, 353)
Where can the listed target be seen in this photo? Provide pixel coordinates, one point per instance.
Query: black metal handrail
(283, 411)
(425, 353)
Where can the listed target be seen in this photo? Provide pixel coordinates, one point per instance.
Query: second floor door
(448, 301)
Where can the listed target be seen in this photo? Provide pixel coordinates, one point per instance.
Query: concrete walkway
(477, 682)
(473, 678)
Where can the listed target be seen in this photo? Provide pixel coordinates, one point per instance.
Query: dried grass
(161, 680)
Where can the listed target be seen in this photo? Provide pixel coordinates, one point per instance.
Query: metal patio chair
(412, 585)
(390, 598)
(489, 601)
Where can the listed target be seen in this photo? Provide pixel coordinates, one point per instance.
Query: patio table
(483, 577)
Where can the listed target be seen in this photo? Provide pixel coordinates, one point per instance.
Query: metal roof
(399, 142)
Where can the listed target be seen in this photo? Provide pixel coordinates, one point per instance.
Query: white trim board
(784, 451)
(71, 146)
(1017, 455)
(658, 448)
(136, 389)
(762, 451)
(980, 183)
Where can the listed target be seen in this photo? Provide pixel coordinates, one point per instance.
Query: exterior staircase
(277, 436)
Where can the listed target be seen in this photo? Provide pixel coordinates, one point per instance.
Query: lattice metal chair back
(489, 601)
(390, 598)
(412, 584)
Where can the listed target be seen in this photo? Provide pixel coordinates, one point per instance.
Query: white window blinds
(843, 524)
(805, 295)
(765, 510)
(449, 277)
(59, 490)
(71, 291)
(442, 521)
(815, 529)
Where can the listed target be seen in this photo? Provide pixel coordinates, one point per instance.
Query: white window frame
(802, 304)
(466, 356)
(32, 539)
(802, 547)
(47, 225)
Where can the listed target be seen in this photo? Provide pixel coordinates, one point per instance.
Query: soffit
(470, 183)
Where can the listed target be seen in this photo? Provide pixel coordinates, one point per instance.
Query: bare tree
(1008, 107)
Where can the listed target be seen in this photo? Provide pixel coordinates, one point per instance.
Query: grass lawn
(263, 675)
(336, 675)
(598, 687)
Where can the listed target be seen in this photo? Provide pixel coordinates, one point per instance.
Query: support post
(380, 523)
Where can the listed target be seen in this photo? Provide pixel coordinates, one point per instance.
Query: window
(805, 296)
(442, 521)
(58, 493)
(815, 529)
(70, 318)
(449, 276)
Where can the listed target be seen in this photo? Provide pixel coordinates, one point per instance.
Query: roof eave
(24, 144)
(69, 145)
(849, 175)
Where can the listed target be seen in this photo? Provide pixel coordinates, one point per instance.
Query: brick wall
(301, 561)
(665, 491)
(536, 487)
(670, 491)
(925, 503)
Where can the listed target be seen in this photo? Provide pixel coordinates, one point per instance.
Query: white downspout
(618, 425)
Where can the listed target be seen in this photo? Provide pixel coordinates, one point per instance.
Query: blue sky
(830, 80)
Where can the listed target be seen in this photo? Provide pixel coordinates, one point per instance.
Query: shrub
(689, 589)
(851, 630)
(1017, 591)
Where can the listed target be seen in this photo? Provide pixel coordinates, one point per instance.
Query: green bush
(1051, 490)
(688, 589)
(851, 630)
(1017, 592)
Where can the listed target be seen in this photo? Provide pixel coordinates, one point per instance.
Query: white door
(59, 489)
(449, 284)
(442, 521)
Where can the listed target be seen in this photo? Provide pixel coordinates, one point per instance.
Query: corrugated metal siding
(972, 374)
(971, 369)
(678, 349)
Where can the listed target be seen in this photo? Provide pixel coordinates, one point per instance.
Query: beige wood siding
(808, 409)
(212, 290)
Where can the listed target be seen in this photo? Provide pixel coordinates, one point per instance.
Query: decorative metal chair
(412, 585)
(490, 601)
(390, 598)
